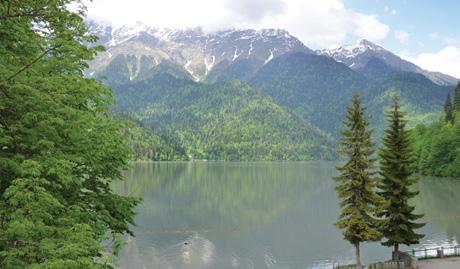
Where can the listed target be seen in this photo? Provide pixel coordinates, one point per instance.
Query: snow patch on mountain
(180, 46)
(351, 51)
(270, 57)
(251, 47)
(209, 65)
(236, 54)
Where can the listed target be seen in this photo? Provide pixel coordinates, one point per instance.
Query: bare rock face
(198, 53)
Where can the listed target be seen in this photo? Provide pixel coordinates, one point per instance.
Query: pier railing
(408, 259)
(437, 252)
(378, 265)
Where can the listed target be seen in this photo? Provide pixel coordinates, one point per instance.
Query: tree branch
(28, 65)
(34, 14)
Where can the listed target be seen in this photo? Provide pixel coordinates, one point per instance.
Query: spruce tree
(357, 181)
(397, 168)
(448, 109)
(457, 97)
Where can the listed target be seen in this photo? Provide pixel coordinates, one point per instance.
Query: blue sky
(422, 31)
(430, 25)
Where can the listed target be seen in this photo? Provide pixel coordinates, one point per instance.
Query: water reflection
(438, 200)
(253, 215)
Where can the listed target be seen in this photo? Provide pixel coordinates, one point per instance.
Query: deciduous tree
(59, 151)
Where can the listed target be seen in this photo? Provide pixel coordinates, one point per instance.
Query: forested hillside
(225, 121)
(290, 106)
(147, 143)
(438, 144)
(314, 87)
(318, 89)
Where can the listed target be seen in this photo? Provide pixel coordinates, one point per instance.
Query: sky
(424, 32)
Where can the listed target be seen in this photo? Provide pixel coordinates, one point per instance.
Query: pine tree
(357, 181)
(448, 109)
(396, 168)
(457, 97)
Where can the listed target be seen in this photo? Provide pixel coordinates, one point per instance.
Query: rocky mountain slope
(229, 54)
(356, 56)
(196, 52)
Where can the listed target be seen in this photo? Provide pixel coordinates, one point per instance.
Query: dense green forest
(223, 121)
(60, 149)
(207, 120)
(438, 144)
(317, 89)
(148, 144)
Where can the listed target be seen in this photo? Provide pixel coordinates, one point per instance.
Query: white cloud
(402, 37)
(446, 61)
(316, 23)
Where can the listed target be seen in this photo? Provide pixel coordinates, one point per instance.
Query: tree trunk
(358, 256)
(396, 252)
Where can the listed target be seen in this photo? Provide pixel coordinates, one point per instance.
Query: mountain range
(255, 95)
(358, 55)
(196, 52)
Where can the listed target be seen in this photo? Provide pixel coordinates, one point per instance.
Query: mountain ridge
(199, 53)
(356, 56)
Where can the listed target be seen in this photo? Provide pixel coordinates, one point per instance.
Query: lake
(220, 215)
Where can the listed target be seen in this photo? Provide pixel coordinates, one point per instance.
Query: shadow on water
(249, 215)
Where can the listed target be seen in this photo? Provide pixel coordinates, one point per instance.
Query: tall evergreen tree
(397, 168)
(457, 97)
(357, 181)
(448, 109)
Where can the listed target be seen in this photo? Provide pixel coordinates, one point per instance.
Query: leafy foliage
(437, 148)
(59, 151)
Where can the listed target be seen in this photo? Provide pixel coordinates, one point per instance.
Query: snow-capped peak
(198, 52)
(353, 50)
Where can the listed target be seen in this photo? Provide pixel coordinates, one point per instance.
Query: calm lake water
(220, 215)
